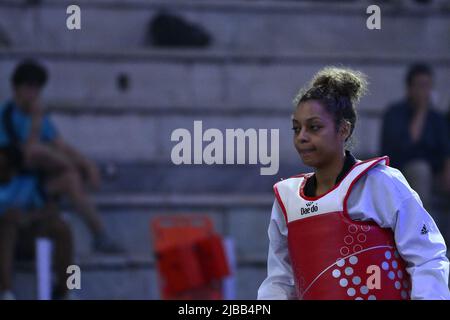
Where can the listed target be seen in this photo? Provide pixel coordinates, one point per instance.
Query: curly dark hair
(338, 90)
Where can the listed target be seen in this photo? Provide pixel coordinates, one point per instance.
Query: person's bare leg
(43, 157)
(64, 180)
(70, 184)
(8, 238)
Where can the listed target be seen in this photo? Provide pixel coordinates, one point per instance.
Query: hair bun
(342, 82)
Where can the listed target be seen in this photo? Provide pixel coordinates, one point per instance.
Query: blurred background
(139, 69)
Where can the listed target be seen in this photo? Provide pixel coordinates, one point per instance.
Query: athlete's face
(315, 135)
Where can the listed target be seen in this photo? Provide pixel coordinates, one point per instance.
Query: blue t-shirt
(22, 193)
(22, 125)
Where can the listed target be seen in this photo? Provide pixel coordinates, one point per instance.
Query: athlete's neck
(326, 176)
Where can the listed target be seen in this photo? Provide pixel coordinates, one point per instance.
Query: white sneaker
(7, 295)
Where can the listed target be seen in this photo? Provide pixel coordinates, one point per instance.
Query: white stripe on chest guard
(299, 208)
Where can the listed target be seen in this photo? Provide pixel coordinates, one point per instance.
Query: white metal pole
(44, 268)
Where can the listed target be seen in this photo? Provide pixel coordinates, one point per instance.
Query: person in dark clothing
(416, 137)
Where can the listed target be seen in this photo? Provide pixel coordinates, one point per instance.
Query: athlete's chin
(308, 160)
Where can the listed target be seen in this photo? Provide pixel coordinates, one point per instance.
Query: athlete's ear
(345, 129)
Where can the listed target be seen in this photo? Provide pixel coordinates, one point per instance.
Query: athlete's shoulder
(291, 179)
(384, 178)
(382, 170)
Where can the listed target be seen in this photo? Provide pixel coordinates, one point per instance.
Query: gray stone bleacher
(132, 275)
(263, 51)
(169, 95)
(273, 26)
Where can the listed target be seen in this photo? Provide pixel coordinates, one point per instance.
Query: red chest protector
(334, 257)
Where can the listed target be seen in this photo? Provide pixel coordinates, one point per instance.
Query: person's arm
(416, 235)
(279, 284)
(385, 197)
(422, 246)
(36, 125)
(87, 166)
(62, 146)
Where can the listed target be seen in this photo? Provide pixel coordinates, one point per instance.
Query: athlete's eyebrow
(313, 118)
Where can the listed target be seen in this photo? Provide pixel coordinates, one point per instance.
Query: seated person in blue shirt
(26, 214)
(65, 171)
(416, 138)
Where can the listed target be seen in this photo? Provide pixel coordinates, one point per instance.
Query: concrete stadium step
(222, 96)
(268, 25)
(102, 277)
(132, 275)
(141, 182)
(193, 80)
(109, 280)
(146, 138)
(244, 218)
